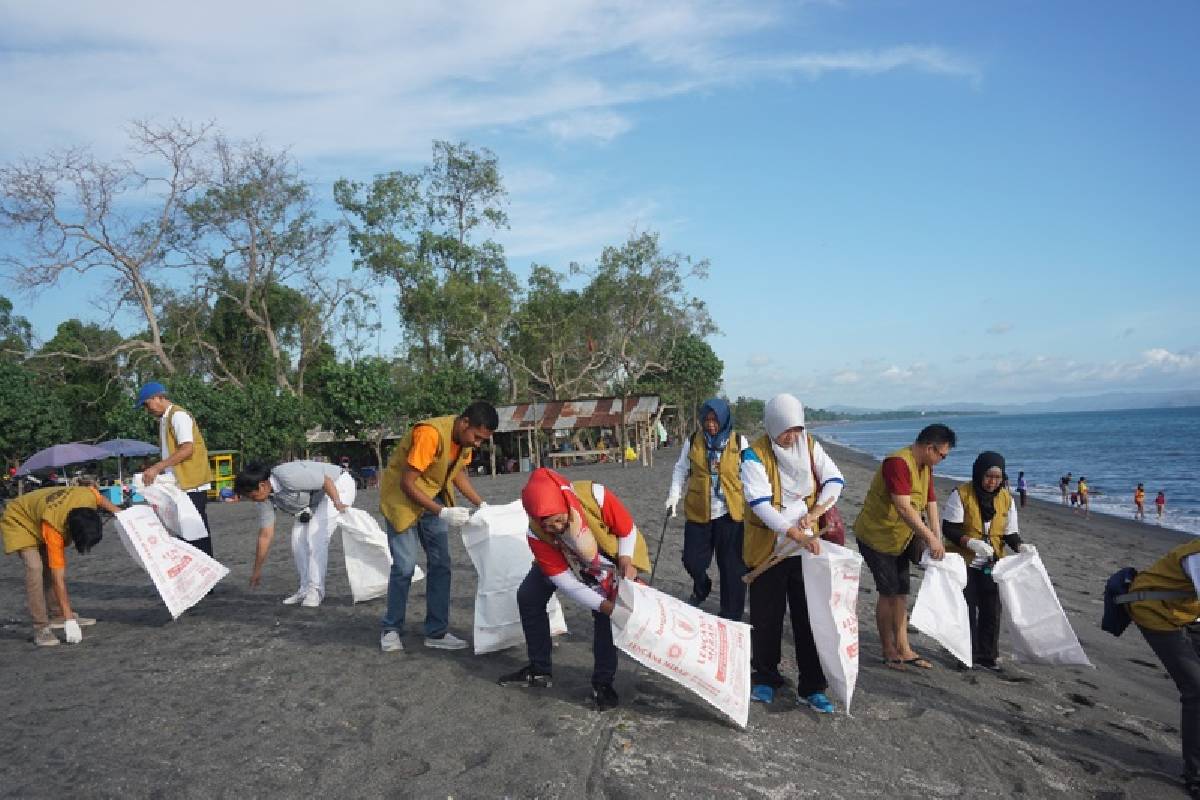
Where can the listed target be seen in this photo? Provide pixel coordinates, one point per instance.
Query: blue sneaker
(818, 702)
(762, 693)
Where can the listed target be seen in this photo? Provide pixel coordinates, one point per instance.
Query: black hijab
(985, 461)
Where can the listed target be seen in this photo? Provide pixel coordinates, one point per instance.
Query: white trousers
(310, 540)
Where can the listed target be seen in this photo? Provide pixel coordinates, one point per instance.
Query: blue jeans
(432, 533)
(532, 597)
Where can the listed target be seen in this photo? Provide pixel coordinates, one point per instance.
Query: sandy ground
(243, 697)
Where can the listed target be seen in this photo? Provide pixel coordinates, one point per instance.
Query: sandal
(895, 663)
(918, 661)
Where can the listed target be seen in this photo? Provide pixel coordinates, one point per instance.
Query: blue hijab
(724, 424)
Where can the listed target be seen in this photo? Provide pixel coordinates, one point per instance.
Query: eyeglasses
(941, 454)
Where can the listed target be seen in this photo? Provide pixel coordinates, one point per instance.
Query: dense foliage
(218, 252)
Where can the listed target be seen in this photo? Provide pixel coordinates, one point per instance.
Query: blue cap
(153, 389)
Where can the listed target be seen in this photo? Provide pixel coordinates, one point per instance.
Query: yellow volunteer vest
(758, 541)
(195, 471)
(22, 522)
(973, 521)
(606, 540)
(399, 508)
(879, 524)
(1166, 575)
(696, 506)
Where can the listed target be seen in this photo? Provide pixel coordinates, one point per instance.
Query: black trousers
(983, 612)
(200, 501)
(532, 597)
(1179, 652)
(723, 537)
(776, 590)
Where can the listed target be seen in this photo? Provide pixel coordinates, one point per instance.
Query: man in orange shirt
(416, 497)
(33, 525)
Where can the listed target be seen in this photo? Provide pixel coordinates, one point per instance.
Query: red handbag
(830, 526)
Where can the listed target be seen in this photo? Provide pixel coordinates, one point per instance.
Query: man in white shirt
(184, 454)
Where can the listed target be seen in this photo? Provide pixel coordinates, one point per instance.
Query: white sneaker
(390, 642)
(447, 641)
(312, 599)
(293, 599)
(44, 637)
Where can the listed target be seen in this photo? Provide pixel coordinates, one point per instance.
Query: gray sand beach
(244, 697)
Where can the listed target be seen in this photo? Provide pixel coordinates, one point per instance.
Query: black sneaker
(528, 677)
(604, 696)
(990, 664)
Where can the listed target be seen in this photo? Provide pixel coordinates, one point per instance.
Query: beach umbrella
(60, 455)
(128, 447)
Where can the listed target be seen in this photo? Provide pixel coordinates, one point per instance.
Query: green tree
(88, 385)
(361, 400)
(16, 334)
(423, 231)
(447, 390)
(693, 377)
(642, 309)
(30, 418)
(748, 414)
(552, 355)
(256, 229)
(259, 420)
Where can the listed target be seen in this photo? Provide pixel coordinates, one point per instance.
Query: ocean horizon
(1115, 450)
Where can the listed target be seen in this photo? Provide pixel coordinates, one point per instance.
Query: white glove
(71, 629)
(980, 548)
(673, 504)
(454, 516)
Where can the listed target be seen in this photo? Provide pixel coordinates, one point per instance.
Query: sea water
(1115, 450)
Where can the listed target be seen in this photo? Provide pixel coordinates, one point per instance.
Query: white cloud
(1000, 328)
(566, 232)
(1163, 359)
(377, 81)
(996, 379)
(934, 60)
(758, 360)
(598, 125)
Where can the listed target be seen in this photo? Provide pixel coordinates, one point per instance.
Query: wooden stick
(779, 555)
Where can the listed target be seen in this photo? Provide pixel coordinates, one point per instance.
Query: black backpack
(1117, 598)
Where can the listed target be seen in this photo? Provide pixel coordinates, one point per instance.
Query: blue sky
(902, 202)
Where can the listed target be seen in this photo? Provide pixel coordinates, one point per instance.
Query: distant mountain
(1110, 401)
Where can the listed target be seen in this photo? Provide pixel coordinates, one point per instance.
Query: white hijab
(784, 411)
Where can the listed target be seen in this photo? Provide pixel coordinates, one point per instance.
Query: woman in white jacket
(789, 482)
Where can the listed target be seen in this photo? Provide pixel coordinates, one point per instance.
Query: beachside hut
(523, 421)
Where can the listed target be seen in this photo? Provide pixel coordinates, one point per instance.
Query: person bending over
(313, 494)
(583, 541)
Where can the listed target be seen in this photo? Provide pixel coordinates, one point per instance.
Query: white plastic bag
(173, 507)
(702, 652)
(182, 574)
(368, 558)
(941, 609)
(1038, 629)
(831, 582)
(495, 541)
